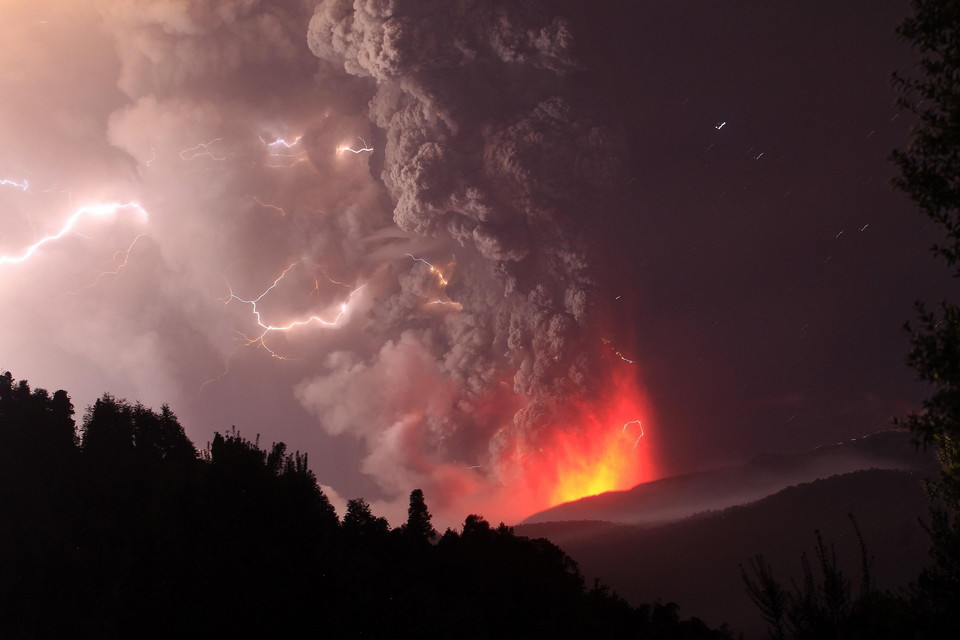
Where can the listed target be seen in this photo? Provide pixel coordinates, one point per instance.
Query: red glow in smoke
(604, 451)
(600, 449)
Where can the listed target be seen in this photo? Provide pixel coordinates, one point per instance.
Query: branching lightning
(282, 149)
(259, 340)
(282, 142)
(316, 282)
(123, 255)
(92, 211)
(202, 150)
(268, 328)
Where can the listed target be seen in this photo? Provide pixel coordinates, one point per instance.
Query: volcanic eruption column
(484, 153)
(464, 341)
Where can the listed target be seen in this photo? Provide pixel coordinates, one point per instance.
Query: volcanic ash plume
(495, 383)
(392, 208)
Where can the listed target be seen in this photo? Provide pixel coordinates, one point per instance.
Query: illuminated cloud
(506, 184)
(352, 145)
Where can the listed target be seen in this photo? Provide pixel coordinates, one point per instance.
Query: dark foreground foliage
(129, 532)
(825, 604)
(929, 173)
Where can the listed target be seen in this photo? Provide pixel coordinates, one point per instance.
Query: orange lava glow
(603, 451)
(589, 464)
(604, 444)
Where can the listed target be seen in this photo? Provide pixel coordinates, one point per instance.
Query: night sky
(522, 230)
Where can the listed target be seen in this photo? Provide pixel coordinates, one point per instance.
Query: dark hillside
(695, 561)
(681, 496)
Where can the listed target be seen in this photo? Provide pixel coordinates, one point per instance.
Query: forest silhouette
(122, 528)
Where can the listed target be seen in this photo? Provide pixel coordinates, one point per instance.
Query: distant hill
(681, 496)
(695, 561)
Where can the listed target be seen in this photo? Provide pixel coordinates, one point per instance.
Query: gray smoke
(484, 164)
(483, 152)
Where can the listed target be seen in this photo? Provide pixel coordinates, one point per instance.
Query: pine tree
(419, 526)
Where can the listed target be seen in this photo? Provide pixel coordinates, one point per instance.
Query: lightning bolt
(92, 211)
(447, 303)
(639, 426)
(276, 150)
(223, 374)
(266, 205)
(202, 150)
(23, 186)
(343, 148)
(282, 142)
(259, 340)
(316, 282)
(268, 328)
(440, 278)
(125, 253)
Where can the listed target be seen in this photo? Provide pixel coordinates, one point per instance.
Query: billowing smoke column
(399, 221)
(483, 152)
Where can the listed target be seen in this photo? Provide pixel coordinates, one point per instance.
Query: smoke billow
(483, 152)
(416, 182)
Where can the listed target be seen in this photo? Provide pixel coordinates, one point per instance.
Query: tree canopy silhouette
(419, 525)
(929, 172)
(129, 531)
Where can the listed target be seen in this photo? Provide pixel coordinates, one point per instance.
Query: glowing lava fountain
(602, 448)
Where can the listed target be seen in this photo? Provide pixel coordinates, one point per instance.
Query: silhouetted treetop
(33, 419)
(108, 428)
(160, 435)
(929, 172)
(133, 533)
(360, 522)
(419, 526)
